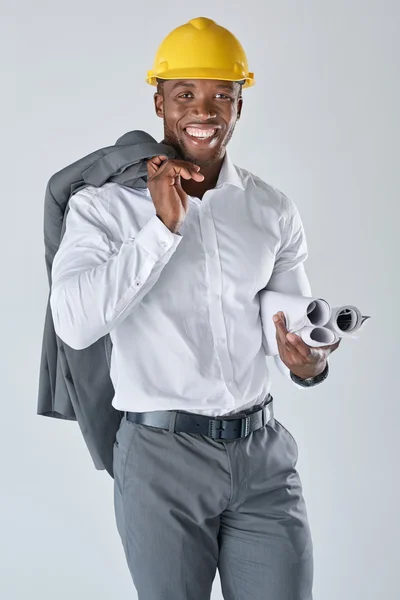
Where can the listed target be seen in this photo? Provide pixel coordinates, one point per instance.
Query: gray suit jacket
(76, 384)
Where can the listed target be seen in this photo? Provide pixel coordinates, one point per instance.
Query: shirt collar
(229, 174)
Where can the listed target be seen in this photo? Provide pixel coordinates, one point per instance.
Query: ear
(159, 105)
(239, 108)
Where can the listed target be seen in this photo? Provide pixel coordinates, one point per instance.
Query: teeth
(200, 133)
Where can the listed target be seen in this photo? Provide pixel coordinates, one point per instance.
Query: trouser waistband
(224, 428)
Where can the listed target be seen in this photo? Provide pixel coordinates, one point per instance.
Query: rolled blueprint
(346, 320)
(312, 319)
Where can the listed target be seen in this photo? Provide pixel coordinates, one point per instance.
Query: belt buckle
(215, 430)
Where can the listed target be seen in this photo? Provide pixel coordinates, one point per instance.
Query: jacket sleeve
(96, 284)
(289, 275)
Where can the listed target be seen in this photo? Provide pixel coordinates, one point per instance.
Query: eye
(225, 97)
(185, 94)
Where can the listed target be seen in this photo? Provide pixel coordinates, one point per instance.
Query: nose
(202, 109)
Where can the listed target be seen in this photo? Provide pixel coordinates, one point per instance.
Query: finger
(280, 326)
(294, 343)
(172, 169)
(187, 170)
(174, 175)
(280, 336)
(289, 354)
(297, 343)
(298, 351)
(154, 163)
(281, 332)
(279, 319)
(159, 159)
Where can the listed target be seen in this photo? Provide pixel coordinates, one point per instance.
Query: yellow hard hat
(201, 49)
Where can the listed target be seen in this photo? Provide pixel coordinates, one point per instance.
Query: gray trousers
(186, 505)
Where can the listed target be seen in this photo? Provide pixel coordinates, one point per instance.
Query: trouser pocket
(122, 445)
(289, 436)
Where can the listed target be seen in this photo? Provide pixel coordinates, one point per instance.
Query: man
(173, 274)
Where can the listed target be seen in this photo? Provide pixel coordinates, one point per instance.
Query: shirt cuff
(156, 238)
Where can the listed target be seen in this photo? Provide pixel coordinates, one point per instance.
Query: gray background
(322, 125)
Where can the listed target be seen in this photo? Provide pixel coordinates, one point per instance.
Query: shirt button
(211, 252)
(163, 244)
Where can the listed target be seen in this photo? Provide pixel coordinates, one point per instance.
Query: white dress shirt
(182, 309)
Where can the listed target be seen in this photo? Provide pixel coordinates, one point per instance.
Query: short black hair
(160, 86)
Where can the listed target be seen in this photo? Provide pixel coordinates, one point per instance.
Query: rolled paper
(346, 320)
(300, 311)
(312, 319)
(317, 336)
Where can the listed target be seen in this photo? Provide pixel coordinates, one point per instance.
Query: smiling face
(199, 116)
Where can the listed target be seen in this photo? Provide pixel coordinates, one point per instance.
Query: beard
(184, 153)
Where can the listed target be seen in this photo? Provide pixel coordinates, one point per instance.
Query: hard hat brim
(200, 74)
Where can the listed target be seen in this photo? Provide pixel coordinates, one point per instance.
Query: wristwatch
(311, 381)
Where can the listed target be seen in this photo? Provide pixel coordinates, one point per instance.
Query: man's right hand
(164, 183)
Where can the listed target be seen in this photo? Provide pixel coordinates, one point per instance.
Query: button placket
(216, 311)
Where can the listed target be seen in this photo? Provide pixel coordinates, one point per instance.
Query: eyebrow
(187, 84)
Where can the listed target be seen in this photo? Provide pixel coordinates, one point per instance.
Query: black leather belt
(225, 428)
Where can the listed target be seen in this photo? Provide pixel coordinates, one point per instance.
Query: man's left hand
(301, 359)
